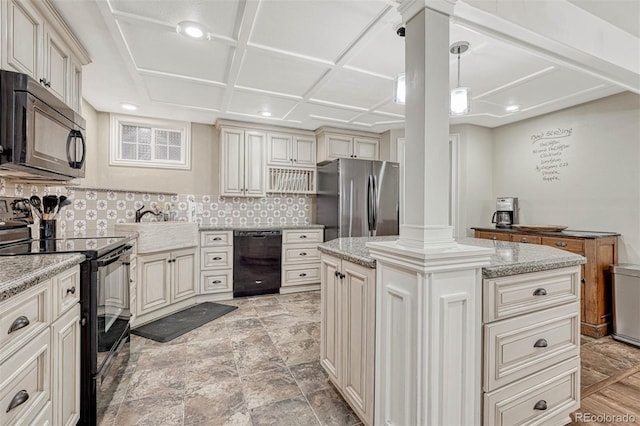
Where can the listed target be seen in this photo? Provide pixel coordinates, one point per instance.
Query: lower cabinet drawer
(301, 254)
(300, 274)
(216, 258)
(524, 345)
(66, 290)
(216, 281)
(546, 398)
(575, 246)
(25, 315)
(25, 381)
(525, 238)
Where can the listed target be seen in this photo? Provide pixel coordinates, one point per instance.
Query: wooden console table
(600, 249)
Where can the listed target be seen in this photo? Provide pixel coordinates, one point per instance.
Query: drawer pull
(540, 292)
(71, 290)
(303, 236)
(217, 239)
(540, 343)
(540, 405)
(561, 244)
(524, 240)
(494, 238)
(217, 258)
(18, 323)
(302, 275)
(216, 282)
(303, 254)
(18, 399)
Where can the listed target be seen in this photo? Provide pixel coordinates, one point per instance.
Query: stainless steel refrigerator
(358, 198)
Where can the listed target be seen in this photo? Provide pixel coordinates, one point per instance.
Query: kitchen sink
(160, 236)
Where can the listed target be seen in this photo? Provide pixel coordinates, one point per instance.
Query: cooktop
(91, 247)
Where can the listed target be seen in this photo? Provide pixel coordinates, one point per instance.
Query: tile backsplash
(96, 211)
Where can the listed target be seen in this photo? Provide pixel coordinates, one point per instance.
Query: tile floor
(258, 365)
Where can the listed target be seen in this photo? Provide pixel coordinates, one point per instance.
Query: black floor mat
(174, 325)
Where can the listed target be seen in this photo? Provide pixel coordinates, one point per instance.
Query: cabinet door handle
(302, 275)
(217, 258)
(303, 254)
(583, 280)
(18, 323)
(216, 282)
(342, 276)
(71, 290)
(540, 292)
(540, 343)
(561, 244)
(303, 236)
(336, 273)
(18, 399)
(540, 405)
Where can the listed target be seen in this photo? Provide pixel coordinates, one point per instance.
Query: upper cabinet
(291, 150)
(242, 162)
(37, 42)
(341, 143)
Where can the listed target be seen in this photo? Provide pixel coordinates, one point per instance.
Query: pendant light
(460, 103)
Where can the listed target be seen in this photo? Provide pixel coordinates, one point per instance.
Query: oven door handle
(114, 355)
(114, 258)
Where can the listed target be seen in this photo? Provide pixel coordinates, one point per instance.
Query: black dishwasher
(256, 262)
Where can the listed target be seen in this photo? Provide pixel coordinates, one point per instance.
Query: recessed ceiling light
(192, 29)
(513, 108)
(264, 113)
(129, 107)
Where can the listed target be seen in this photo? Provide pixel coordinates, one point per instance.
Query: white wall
(475, 185)
(596, 185)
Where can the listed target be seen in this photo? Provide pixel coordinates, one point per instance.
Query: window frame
(115, 143)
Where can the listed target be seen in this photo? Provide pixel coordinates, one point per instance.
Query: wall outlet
(200, 208)
(191, 210)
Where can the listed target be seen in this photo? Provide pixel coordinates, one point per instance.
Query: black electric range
(91, 247)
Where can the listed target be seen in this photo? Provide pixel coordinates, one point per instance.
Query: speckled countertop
(571, 233)
(508, 259)
(18, 273)
(256, 228)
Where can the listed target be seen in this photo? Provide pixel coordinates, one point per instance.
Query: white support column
(428, 287)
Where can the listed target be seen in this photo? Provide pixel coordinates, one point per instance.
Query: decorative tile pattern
(97, 211)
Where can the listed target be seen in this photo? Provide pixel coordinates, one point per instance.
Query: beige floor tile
(290, 412)
(168, 381)
(268, 387)
(300, 351)
(151, 411)
(214, 402)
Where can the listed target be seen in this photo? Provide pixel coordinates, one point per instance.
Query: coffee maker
(506, 213)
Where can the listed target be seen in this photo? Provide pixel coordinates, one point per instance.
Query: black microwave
(40, 136)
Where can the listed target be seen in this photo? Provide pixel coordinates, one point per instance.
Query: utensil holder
(47, 229)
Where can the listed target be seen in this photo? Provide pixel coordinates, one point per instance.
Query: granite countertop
(508, 259)
(257, 227)
(566, 233)
(19, 273)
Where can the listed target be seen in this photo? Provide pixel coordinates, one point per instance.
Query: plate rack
(291, 180)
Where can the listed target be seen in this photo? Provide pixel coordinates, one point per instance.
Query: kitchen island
(528, 350)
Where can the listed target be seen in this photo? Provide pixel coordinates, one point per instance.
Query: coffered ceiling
(308, 62)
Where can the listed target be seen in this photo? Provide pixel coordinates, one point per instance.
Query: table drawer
(25, 378)
(216, 258)
(300, 274)
(524, 238)
(521, 346)
(506, 297)
(66, 290)
(216, 238)
(545, 398)
(300, 254)
(294, 236)
(575, 246)
(26, 314)
(500, 236)
(216, 281)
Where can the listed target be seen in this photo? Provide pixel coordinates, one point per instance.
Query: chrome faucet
(140, 213)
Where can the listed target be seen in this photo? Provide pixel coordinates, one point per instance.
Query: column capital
(410, 8)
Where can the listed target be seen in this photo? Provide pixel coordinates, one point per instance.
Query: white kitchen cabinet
(65, 390)
(242, 163)
(40, 355)
(300, 260)
(340, 143)
(291, 150)
(36, 42)
(165, 278)
(347, 343)
(216, 262)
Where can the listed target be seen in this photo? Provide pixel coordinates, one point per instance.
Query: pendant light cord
(458, 66)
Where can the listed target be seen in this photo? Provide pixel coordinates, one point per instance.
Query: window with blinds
(149, 143)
